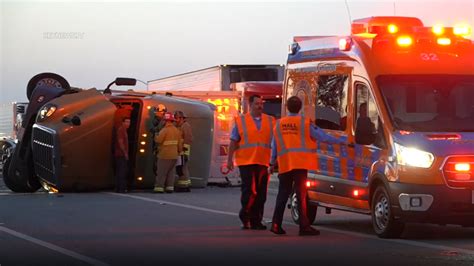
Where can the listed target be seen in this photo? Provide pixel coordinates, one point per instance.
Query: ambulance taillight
(458, 171)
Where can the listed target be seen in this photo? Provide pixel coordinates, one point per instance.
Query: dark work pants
(296, 178)
(254, 192)
(121, 172)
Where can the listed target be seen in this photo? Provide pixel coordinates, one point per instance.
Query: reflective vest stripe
(303, 131)
(170, 142)
(252, 145)
(302, 149)
(244, 129)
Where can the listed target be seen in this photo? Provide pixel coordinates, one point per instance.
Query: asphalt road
(201, 228)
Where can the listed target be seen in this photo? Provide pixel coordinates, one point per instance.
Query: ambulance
(401, 96)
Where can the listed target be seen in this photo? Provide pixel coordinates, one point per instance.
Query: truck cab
(66, 139)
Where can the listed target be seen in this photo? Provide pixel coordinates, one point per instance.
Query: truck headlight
(413, 157)
(46, 111)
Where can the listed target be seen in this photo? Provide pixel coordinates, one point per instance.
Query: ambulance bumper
(432, 204)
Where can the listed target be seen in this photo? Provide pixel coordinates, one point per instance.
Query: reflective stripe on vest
(187, 151)
(170, 142)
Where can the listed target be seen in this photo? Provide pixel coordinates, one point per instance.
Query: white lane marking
(174, 204)
(325, 228)
(53, 247)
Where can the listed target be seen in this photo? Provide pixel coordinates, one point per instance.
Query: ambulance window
(331, 102)
(367, 124)
(302, 91)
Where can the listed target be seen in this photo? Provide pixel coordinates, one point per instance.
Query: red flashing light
(462, 167)
(357, 193)
(443, 136)
(310, 184)
(345, 44)
(392, 28)
(444, 41)
(438, 29)
(462, 30)
(404, 41)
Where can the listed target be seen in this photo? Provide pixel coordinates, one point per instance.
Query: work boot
(258, 226)
(246, 226)
(309, 231)
(276, 229)
(158, 190)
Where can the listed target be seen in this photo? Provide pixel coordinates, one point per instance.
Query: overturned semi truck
(65, 140)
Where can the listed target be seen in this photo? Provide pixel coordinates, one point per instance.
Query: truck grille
(458, 171)
(44, 153)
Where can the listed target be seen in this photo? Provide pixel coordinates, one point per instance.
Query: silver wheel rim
(382, 212)
(294, 207)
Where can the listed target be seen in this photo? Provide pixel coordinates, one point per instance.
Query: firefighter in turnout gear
(250, 141)
(183, 183)
(169, 145)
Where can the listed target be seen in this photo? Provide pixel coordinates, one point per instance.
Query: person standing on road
(293, 147)
(169, 145)
(121, 156)
(183, 183)
(250, 141)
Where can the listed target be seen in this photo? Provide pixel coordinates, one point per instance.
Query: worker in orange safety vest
(294, 148)
(251, 143)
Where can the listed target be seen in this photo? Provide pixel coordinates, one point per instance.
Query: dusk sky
(91, 43)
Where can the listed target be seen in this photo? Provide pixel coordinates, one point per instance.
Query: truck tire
(8, 181)
(383, 221)
(295, 214)
(53, 80)
(30, 185)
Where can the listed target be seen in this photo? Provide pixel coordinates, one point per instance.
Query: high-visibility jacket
(295, 148)
(254, 146)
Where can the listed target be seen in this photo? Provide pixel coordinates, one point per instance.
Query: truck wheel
(50, 79)
(383, 221)
(295, 214)
(30, 185)
(7, 180)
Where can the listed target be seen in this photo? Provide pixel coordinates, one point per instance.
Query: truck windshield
(272, 107)
(429, 103)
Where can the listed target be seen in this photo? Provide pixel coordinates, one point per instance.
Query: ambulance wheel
(295, 213)
(49, 79)
(383, 221)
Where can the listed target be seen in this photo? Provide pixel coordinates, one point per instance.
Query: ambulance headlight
(46, 111)
(413, 157)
